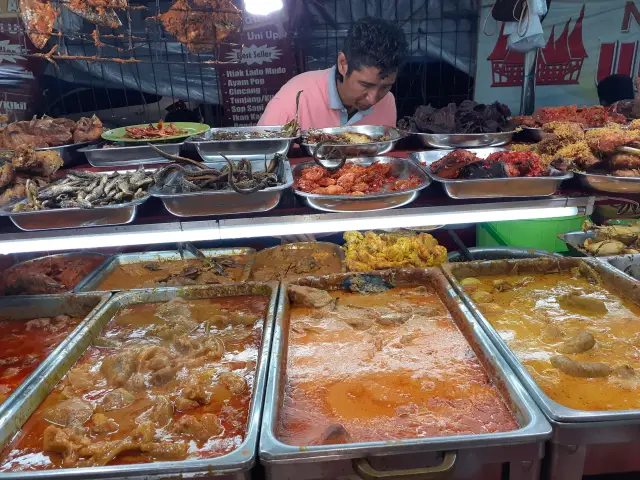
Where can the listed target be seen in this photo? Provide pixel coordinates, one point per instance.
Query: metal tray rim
(288, 182)
(101, 270)
(234, 461)
(191, 139)
(59, 147)
(17, 395)
(496, 134)
(6, 210)
(553, 410)
(94, 148)
(274, 451)
(426, 181)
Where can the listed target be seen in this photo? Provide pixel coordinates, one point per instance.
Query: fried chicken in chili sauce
(504, 164)
(353, 179)
(450, 165)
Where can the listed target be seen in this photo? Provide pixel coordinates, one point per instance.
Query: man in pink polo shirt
(356, 91)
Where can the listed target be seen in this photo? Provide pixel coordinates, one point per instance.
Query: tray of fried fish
(82, 199)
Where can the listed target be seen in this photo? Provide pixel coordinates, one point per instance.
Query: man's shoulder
(388, 102)
(312, 79)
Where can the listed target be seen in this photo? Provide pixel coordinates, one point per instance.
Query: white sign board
(586, 40)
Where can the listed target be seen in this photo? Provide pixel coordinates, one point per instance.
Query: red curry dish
(24, 344)
(163, 381)
(353, 179)
(381, 367)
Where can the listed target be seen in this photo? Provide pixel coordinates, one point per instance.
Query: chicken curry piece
(382, 366)
(164, 381)
(24, 344)
(290, 262)
(579, 340)
(163, 273)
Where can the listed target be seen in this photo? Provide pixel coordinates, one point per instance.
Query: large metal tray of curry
(379, 370)
(134, 271)
(34, 331)
(160, 382)
(567, 326)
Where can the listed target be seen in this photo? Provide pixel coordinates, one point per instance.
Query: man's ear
(343, 66)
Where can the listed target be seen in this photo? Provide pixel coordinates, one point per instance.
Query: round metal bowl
(370, 149)
(463, 140)
(500, 253)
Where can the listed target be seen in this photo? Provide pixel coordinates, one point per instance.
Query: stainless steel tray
(463, 140)
(210, 149)
(627, 265)
(491, 187)
(576, 240)
(29, 307)
(93, 281)
(225, 202)
(553, 410)
(400, 169)
(314, 460)
(128, 155)
(370, 149)
(61, 255)
(70, 154)
(240, 460)
(327, 246)
(609, 183)
(500, 253)
(56, 219)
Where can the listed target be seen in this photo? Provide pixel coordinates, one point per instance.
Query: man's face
(363, 88)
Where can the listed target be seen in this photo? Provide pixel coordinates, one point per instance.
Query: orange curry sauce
(24, 344)
(414, 380)
(140, 326)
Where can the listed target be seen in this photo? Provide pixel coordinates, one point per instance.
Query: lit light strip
(194, 231)
(267, 227)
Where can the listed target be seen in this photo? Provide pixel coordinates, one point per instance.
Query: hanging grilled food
(99, 12)
(38, 17)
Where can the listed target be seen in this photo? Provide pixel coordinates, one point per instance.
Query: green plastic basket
(540, 234)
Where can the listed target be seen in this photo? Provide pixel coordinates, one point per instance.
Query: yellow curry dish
(578, 339)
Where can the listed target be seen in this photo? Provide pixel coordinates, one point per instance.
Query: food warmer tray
(61, 255)
(326, 246)
(609, 183)
(463, 140)
(522, 448)
(224, 202)
(93, 281)
(400, 169)
(210, 149)
(232, 466)
(70, 154)
(627, 265)
(28, 307)
(461, 189)
(370, 149)
(500, 253)
(121, 155)
(577, 434)
(575, 241)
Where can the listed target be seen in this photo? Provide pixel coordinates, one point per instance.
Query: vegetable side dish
(468, 117)
(56, 274)
(163, 381)
(289, 262)
(353, 179)
(579, 340)
(163, 273)
(24, 344)
(345, 138)
(380, 252)
(402, 370)
(464, 164)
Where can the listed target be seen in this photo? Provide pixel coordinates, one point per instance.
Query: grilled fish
(104, 17)
(38, 17)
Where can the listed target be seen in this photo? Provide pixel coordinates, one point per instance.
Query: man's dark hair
(373, 42)
(614, 88)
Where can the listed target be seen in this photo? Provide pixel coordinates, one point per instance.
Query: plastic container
(538, 234)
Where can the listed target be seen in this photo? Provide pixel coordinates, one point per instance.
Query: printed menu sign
(265, 64)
